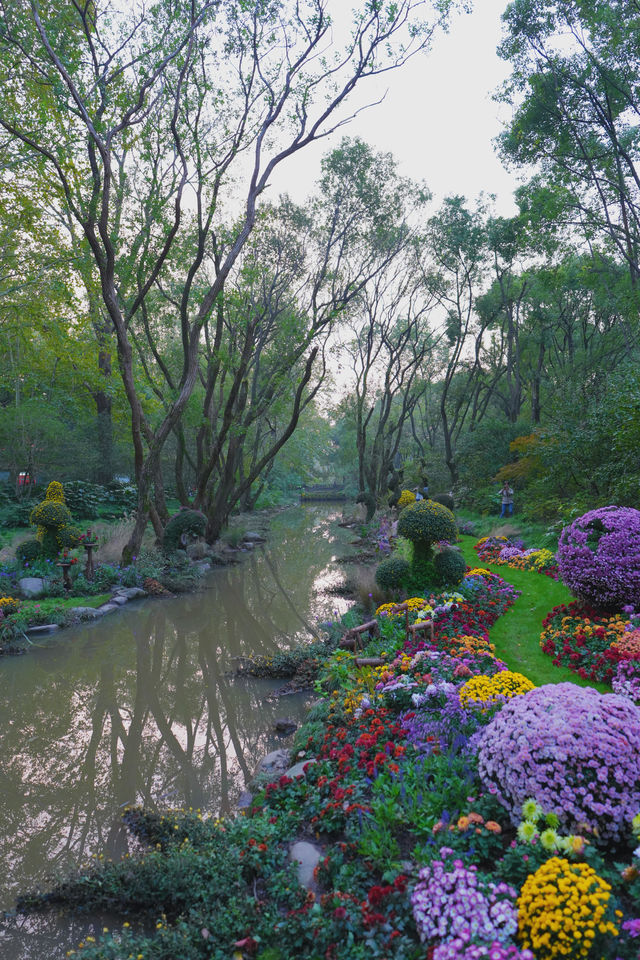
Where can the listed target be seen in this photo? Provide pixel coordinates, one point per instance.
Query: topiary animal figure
(392, 573)
(450, 567)
(445, 499)
(424, 523)
(184, 526)
(53, 519)
(370, 503)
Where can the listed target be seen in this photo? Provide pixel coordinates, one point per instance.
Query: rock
(307, 856)
(31, 586)
(286, 725)
(298, 769)
(203, 566)
(275, 763)
(251, 536)
(108, 608)
(244, 800)
(87, 613)
(42, 629)
(131, 593)
(118, 599)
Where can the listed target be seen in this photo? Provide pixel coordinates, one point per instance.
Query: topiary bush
(184, 526)
(450, 567)
(53, 519)
(599, 557)
(425, 523)
(392, 573)
(574, 750)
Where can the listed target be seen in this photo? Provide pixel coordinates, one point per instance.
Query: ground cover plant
(435, 843)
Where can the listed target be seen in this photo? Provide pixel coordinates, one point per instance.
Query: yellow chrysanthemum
(482, 690)
(561, 908)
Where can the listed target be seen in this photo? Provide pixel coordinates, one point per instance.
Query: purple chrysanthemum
(576, 751)
(599, 557)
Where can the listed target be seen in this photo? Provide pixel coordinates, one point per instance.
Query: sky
(438, 118)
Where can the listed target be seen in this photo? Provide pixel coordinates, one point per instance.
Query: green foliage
(182, 527)
(392, 573)
(449, 567)
(28, 551)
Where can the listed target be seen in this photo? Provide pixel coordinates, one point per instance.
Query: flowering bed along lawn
(597, 645)
(463, 815)
(507, 552)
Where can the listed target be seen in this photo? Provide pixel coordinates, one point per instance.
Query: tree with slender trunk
(157, 110)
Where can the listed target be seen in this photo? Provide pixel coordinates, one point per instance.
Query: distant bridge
(325, 491)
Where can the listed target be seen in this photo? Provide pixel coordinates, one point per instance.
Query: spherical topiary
(392, 573)
(445, 499)
(185, 525)
(450, 567)
(426, 522)
(50, 513)
(28, 551)
(599, 557)
(574, 750)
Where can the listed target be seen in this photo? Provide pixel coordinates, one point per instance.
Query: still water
(143, 707)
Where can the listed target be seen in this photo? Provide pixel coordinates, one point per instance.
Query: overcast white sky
(438, 118)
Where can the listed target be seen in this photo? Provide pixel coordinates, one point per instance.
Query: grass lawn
(516, 634)
(52, 609)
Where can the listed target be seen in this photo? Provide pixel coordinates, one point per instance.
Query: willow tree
(147, 112)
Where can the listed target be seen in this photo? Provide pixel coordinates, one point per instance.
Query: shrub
(84, 498)
(185, 525)
(53, 519)
(482, 690)
(28, 551)
(392, 573)
(450, 567)
(570, 748)
(599, 557)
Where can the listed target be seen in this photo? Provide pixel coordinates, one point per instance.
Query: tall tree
(156, 108)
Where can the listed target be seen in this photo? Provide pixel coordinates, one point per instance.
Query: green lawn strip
(516, 634)
(40, 611)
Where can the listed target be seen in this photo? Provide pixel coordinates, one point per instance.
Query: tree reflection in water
(144, 707)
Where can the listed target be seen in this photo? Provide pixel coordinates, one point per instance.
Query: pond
(144, 707)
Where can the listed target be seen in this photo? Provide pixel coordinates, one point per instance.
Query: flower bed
(588, 641)
(512, 553)
(423, 855)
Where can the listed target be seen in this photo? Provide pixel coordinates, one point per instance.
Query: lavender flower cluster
(452, 903)
(599, 557)
(460, 949)
(574, 750)
(440, 720)
(626, 680)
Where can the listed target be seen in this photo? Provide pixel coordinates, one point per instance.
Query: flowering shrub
(627, 645)
(570, 748)
(584, 640)
(453, 901)
(460, 949)
(482, 690)
(9, 605)
(406, 497)
(562, 908)
(599, 557)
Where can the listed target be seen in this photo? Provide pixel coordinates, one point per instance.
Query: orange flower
(493, 826)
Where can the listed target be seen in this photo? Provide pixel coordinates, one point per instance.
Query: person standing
(506, 495)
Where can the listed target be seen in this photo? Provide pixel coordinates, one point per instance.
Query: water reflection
(143, 707)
